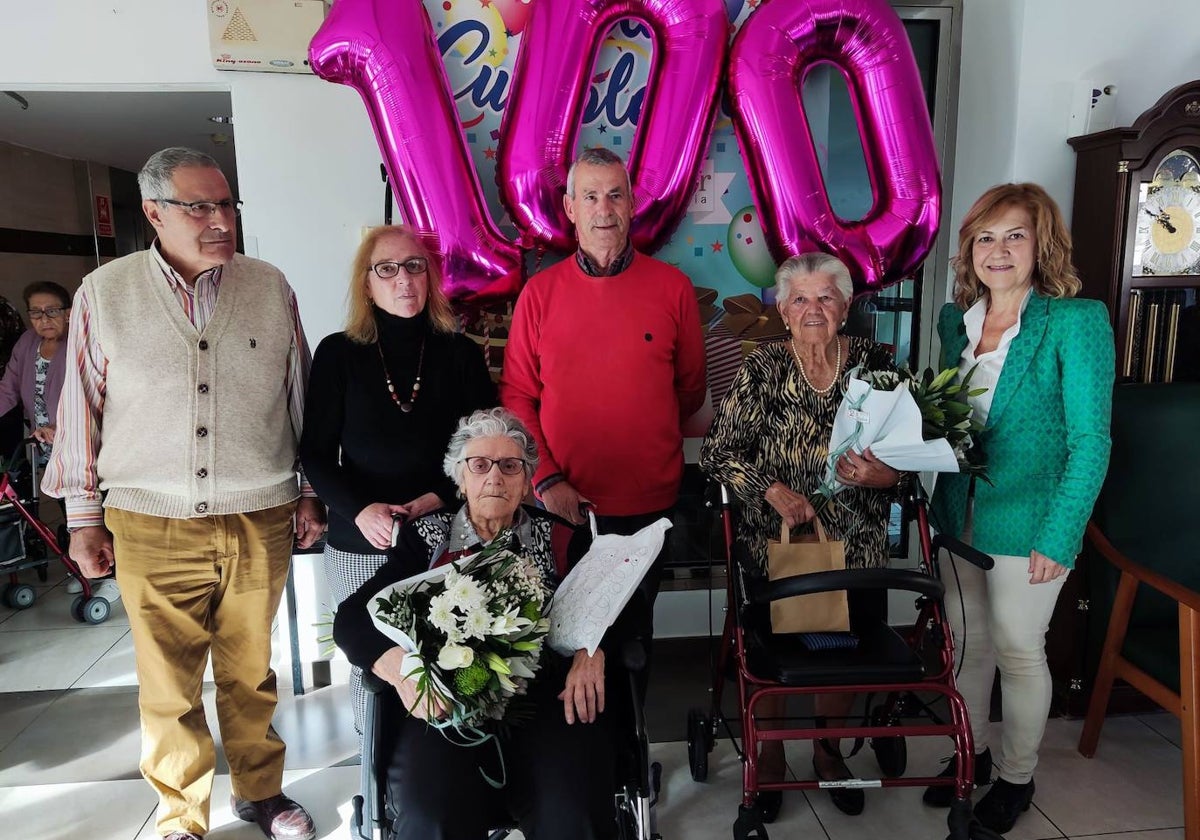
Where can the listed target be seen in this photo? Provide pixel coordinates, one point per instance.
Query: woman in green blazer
(1046, 360)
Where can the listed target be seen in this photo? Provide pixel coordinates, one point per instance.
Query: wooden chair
(1144, 525)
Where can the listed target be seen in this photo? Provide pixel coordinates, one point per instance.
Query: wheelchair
(638, 780)
(886, 662)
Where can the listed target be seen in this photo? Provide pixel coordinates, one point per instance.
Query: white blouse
(988, 365)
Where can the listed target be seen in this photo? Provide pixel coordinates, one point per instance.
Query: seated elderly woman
(769, 443)
(560, 762)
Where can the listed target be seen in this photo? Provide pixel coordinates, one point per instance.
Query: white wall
(1014, 118)
(308, 164)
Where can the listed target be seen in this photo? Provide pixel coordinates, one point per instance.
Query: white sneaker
(74, 587)
(106, 589)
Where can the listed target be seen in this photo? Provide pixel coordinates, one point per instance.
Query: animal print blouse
(771, 427)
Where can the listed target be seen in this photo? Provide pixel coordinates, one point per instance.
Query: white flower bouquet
(910, 422)
(472, 632)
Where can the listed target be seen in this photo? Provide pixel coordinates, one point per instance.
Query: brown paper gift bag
(815, 552)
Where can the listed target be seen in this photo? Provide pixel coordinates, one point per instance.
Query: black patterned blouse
(771, 427)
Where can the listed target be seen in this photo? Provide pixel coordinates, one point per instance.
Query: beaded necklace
(837, 370)
(406, 407)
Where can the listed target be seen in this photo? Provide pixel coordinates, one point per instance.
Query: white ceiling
(119, 128)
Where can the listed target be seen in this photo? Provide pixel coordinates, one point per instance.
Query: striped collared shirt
(71, 472)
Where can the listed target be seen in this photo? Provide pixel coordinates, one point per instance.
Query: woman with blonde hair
(1046, 361)
(383, 399)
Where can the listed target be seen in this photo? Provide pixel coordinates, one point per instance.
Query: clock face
(1168, 228)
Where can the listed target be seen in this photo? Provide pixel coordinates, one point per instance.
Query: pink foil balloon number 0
(539, 134)
(866, 41)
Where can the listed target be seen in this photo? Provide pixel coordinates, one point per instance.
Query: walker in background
(21, 550)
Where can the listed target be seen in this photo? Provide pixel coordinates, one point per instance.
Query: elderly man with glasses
(176, 455)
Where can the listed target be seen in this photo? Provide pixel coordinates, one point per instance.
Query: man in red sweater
(604, 361)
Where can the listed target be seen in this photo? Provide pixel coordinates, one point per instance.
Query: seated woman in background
(34, 375)
(383, 400)
(560, 762)
(769, 444)
(1047, 362)
(34, 378)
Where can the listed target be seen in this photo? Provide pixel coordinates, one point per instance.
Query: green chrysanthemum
(531, 611)
(471, 680)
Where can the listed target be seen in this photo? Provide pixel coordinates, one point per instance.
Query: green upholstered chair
(1146, 526)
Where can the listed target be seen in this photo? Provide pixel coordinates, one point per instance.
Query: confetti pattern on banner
(479, 42)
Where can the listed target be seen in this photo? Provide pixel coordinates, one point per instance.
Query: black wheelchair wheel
(699, 743)
(890, 752)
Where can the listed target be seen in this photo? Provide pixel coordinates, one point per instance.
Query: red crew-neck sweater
(603, 370)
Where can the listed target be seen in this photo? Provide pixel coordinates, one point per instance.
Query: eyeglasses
(387, 269)
(204, 209)
(39, 314)
(480, 465)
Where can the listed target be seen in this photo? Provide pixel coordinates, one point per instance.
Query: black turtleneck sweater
(386, 455)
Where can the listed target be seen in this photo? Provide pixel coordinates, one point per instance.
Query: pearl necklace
(837, 371)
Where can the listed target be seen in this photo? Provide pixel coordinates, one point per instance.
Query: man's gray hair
(155, 179)
(595, 156)
(489, 422)
(813, 263)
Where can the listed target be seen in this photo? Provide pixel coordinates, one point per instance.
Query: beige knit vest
(194, 423)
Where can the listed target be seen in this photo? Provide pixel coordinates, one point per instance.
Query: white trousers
(1006, 622)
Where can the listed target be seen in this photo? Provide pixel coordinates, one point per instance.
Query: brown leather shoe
(279, 817)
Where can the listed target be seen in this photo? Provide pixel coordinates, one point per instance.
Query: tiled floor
(69, 752)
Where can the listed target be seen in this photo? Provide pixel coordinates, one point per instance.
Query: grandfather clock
(1136, 233)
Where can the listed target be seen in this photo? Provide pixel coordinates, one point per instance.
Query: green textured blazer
(1047, 434)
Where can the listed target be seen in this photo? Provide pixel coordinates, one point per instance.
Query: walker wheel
(77, 609)
(19, 596)
(96, 610)
(749, 824)
(699, 743)
(890, 752)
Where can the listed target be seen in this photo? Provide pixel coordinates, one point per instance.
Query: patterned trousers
(345, 572)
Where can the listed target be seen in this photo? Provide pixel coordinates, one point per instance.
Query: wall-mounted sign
(104, 219)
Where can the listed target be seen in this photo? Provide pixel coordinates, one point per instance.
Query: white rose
(454, 657)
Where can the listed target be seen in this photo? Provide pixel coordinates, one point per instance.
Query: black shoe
(768, 803)
(849, 801)
(940, 796)
(1003, 804)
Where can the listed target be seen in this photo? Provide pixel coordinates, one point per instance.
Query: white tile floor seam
(69, 746)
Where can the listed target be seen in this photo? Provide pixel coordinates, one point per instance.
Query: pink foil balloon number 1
(385, 49)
